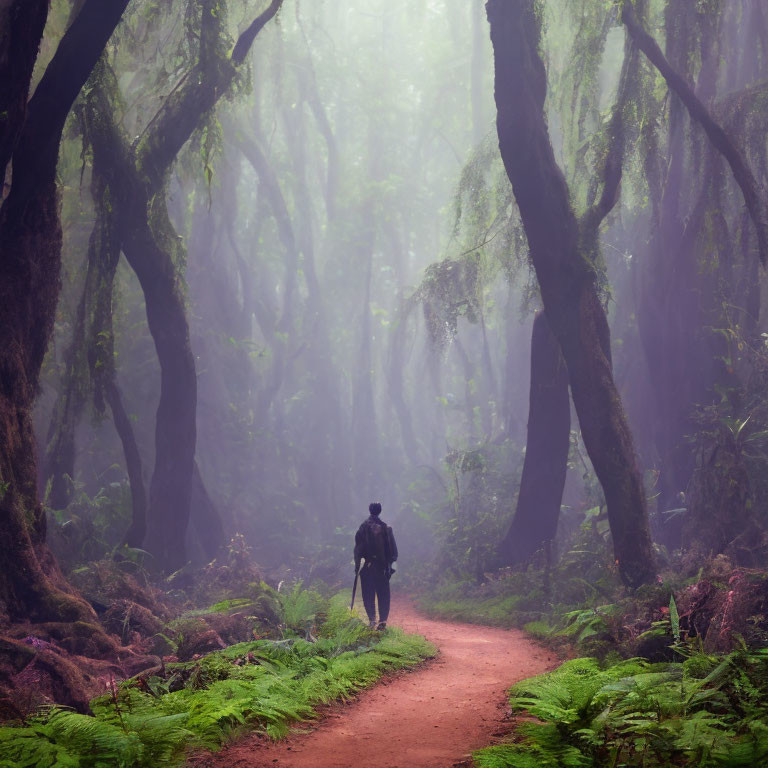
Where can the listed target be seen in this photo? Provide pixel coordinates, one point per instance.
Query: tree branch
(716, 134)
(614, 159)
(37, 152)
(245, 41)
(208, 80)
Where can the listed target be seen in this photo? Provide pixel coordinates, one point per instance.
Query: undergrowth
(671, 701)
(706, 711)
(453, 603)
(265, 685)
(576, 601)
(583, 577)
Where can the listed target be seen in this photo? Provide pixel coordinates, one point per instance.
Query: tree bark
(153, 251)
(59, 465)
(134, 536)
(30, 262)
(546, 453)
(566, 279)
(21, 28)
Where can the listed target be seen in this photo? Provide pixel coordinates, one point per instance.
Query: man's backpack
(377, 549)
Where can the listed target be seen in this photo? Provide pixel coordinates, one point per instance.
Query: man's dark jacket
(375, 542)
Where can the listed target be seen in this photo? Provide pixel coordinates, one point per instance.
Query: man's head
(374, 508)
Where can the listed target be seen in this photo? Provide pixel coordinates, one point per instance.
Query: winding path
(432, 717)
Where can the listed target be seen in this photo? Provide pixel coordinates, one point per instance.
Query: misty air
(383, 384)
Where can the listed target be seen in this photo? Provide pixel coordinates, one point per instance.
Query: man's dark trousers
(375, 585)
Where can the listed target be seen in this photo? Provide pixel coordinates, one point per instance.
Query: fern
(33, 747)
(674, 618)
(636, 714)
(300, 607)
(63, 738)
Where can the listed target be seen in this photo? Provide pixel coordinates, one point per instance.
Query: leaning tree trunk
(331, 453)
(30, 262)
(566, 279)
(275, 332)
(21, 29)
(546, 453)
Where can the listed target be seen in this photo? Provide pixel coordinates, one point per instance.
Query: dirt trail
(432, 717)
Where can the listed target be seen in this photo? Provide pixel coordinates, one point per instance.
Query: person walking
(375, 543)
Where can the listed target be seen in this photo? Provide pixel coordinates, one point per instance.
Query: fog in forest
(495, 266)
(356, 314)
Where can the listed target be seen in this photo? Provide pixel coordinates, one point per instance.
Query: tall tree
(546, 453)
(567, 277)
(30, 262)
(139, 177)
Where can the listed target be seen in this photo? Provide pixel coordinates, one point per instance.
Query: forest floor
(432, 717)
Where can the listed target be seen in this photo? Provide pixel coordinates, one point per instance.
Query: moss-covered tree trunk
(566, 278)
(546, 453)
(30, 262)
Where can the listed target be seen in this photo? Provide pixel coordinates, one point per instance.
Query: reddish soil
(431, 717)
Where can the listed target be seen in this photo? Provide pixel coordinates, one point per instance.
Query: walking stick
(354, 590)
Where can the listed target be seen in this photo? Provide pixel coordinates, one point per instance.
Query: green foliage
(265, 684)
(633, 713)
(300, 608)
(579, 595)
(585, 623)
(494, 604)
(225, 606)
(476, 511)
(450, 290)
(61, 739)
(539, 629)
(91, 527)
(674, 619)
